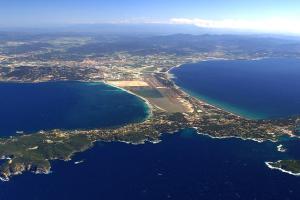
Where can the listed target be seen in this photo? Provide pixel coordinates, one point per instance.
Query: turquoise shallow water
(66, 105)
(227, 106)
(256, 89)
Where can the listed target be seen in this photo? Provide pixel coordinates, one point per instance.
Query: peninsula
(145, 75)
(171, 110)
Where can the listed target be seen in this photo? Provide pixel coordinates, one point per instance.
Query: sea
(31, 107)
(184, 165)
(256, 89)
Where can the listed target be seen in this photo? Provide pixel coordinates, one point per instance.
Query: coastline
(215, 122)
(269, 165)
(240, 112)
(233, 137)
(148, 104)
(170, 77)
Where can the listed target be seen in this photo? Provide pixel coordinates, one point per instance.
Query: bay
(31, 107)
(256, 89)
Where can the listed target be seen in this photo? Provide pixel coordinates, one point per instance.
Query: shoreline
(170, 75)
(155, 124)
(148, 104)
(233, 137)
(280, 169)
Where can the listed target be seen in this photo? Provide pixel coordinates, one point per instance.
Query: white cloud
(269, 25)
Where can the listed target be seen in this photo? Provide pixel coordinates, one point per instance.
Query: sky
(263, 15)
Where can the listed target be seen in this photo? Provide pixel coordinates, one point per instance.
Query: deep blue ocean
(256, 89)
(184, 166)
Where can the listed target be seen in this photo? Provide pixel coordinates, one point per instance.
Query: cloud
(270, 25)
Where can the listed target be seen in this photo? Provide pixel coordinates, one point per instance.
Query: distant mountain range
(133, 29)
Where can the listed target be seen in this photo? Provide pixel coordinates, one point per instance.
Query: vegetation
(291, 166)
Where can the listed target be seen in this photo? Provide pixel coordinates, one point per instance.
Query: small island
(287, 166)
